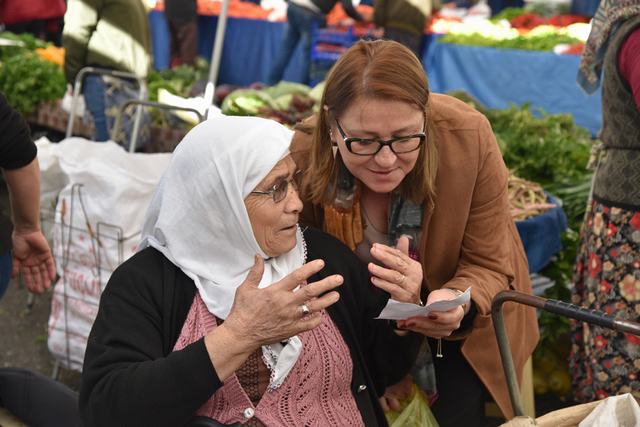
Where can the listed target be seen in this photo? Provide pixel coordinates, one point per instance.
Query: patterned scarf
(342, 217)
(608, 17)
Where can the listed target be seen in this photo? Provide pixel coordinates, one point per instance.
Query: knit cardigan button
(248, 413)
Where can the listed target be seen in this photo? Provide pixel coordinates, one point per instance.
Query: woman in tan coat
(386, 158)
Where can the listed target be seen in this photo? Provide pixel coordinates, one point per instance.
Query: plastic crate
(335, 35)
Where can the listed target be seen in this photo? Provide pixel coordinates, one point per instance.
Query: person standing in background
(31, 253)
(111, 34)
(182, 16)
(403, 21)
(607, 275)
(302, 15)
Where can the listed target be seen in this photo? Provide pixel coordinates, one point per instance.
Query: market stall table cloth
(250, 47)
(498, 77)
(541, 236)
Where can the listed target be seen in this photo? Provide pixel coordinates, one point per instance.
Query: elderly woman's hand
(277, 312)
(438, 324)
(402, 277)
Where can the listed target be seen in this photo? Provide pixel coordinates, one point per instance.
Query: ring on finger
(402, 279)
(305, 309)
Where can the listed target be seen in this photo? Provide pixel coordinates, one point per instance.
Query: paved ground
(23, 331)
(23, 334)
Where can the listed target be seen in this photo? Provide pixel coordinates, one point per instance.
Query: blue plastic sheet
(248, 52)
(498, 77)
(541, 234)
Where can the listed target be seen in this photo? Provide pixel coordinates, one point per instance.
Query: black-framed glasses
(280, 189)
(371, 147)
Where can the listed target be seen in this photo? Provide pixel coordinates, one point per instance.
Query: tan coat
(468, 237)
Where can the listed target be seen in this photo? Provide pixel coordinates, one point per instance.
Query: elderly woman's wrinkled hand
(282, 310)
(438, 324)
(402, 277)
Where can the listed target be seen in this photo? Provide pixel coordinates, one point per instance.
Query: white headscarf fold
(198, 220)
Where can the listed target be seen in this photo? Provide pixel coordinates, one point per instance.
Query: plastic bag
(67, 102)
(622, 410)
(415, 412)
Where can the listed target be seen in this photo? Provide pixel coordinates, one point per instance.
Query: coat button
(248, 413)
(361, 388)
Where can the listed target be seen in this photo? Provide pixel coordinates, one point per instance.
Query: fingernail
(433, 316)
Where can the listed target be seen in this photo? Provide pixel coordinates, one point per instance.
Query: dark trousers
(406, 38)
(461, 394)
(184, 42)
(38, 401)
(300, 22)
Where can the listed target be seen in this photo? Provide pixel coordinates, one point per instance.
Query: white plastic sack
(52, 179)
(621, 411)
(97, 225)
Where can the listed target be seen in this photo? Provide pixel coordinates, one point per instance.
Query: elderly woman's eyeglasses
(280, 189)
(371, 147)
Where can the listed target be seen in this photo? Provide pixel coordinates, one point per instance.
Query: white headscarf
(198, 220)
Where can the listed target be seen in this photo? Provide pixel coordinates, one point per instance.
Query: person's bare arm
(31, 253)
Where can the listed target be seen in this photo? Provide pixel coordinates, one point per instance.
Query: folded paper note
(395, 310)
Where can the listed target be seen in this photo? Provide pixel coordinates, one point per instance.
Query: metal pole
(561, 308)
(216, 55)
(142, 96)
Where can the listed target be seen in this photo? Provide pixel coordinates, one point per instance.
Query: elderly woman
(229, 311)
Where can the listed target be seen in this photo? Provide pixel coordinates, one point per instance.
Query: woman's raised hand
(402, 277)
(280, 311)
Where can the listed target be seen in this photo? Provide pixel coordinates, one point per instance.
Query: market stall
(498, 77)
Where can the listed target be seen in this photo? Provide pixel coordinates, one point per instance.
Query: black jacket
(131, 377)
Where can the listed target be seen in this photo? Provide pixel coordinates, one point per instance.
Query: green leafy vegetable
(27, 80)
(539, 42)
(508, 13)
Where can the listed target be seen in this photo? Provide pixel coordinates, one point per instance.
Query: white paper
(395, 310)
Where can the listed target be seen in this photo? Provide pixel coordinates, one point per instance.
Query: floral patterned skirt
(607, 278)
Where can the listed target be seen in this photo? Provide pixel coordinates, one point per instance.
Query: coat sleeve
(16, 148)
(128, 379)
(80, 22)
(485, 262)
